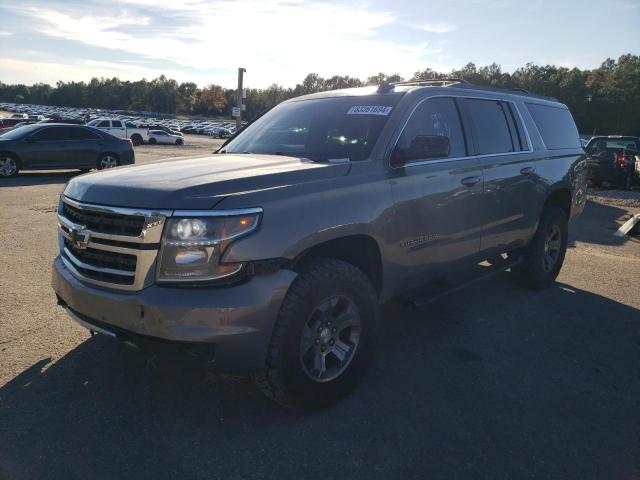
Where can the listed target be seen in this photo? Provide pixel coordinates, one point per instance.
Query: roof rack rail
(436, 82)
(458, 83)
(439, 81)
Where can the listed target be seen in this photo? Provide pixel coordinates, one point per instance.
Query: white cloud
(4, 33)
(18, 70)
(276, 41)
(437, 27)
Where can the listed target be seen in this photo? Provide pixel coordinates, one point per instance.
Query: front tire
(9, 166)
(544, 256)
(323, 338)
(152, 141)
(179, 141)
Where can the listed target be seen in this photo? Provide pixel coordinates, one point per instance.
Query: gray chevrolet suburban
(273, 255)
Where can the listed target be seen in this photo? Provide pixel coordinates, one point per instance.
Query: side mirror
(422, 147)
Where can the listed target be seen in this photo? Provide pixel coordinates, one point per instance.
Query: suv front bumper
(235, 321)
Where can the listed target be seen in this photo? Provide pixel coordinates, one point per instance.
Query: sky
(280, 41)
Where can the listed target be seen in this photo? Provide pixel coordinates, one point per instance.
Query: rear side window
(82, 134)
(491, 119)
(116, 123)
(556, 126)
(435, 117)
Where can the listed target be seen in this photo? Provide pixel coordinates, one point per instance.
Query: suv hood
(198, 183)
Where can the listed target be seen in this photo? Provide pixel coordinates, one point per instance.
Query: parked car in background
(219, 132)
(275, 256)
(121, 129)
(6, 123)
(54, 146)
(614, 160)
(172, 131)
(162, 137)
(72, 121)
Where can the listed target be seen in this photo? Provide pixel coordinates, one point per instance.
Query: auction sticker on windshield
(369, 110)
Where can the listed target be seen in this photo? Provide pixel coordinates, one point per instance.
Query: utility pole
(239, 98)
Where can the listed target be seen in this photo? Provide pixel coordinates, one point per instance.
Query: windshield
(323, 129)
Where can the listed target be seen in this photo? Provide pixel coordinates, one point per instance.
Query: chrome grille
(109, 246)
(104, 222)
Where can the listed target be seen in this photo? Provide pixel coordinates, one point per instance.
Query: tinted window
(116, 123)
(103, 124)
(81, 134)
(491, 127)
(436, 117)
(339, 128)
(49, 134)
(556, 126)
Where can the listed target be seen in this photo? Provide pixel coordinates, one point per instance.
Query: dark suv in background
(56, 145)
(273, 255)
(613, 159)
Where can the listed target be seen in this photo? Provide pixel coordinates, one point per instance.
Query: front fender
(296, 219)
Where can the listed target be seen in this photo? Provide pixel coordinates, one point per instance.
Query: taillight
(130, 143)
(619, 161)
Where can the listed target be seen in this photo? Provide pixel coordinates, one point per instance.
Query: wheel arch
(14, 155)
(360, 250)
(559, 196)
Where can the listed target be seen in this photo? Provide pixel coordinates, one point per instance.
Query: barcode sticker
(369, 110)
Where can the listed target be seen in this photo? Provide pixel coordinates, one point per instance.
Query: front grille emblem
(79, 237)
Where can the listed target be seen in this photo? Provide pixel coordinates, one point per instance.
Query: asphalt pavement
(495, 381)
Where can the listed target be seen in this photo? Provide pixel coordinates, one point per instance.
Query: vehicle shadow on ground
(39, 178)
(497, 383)
(597, 225)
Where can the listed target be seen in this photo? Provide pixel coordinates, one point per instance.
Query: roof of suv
(400, 88)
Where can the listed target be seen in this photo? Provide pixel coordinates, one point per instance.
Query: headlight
(192, 247)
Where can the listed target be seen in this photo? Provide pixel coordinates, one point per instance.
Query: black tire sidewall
(302, 389)
(533, 270)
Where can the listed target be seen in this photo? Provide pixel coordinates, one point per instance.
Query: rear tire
(544, 256)
(179, 141)
(9, 165)
(107, 160)
(136, 140)
(323, 337)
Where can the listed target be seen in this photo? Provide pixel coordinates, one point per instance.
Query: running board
(476, 274)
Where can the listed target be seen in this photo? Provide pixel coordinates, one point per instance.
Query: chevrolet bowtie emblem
(79, 237)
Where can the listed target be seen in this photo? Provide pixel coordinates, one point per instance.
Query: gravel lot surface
(492, 382)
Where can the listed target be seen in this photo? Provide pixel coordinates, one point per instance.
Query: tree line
(604, 100)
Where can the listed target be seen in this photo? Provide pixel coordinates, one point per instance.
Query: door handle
(527, 170)
(470, 181)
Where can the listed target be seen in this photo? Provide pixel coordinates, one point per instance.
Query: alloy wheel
(108, 161)
(8, 167)
(330, 338)
(552, 247)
